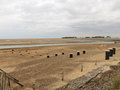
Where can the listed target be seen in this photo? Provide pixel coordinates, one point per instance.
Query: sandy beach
(31, 65)
(59, 44)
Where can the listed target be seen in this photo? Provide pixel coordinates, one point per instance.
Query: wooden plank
(11, 78)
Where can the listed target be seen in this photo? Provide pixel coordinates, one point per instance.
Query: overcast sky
(57, 18)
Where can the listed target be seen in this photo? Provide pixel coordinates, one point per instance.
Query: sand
(31, 65)
(51, 41)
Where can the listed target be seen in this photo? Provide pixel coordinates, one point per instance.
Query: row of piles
(70, 55)
(110, 53)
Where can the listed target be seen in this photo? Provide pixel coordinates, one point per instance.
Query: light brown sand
(32, 68)
(51, 41)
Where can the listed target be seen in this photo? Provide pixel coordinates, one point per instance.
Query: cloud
(55, 18)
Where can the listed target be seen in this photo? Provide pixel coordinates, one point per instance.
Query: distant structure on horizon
(87, 37)
(68, 37)
(99, 37)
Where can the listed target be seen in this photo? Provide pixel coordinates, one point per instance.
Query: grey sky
(57, 18)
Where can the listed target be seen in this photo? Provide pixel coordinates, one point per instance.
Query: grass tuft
(115, 85)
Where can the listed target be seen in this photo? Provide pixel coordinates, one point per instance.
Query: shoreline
(47, 45)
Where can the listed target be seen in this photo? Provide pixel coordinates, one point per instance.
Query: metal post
(84, 52)
(111, 52)
(71, 55)
(78, 53)
(107, 54)
(114, 50)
